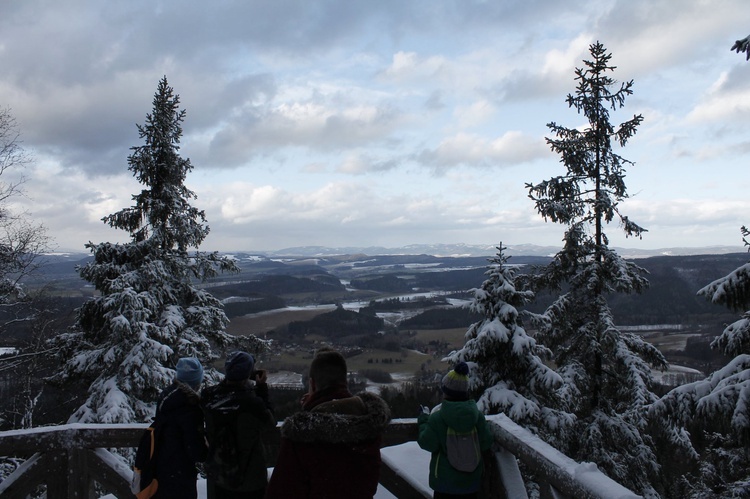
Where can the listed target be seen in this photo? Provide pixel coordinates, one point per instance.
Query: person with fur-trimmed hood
(182, 442)
(331, 449)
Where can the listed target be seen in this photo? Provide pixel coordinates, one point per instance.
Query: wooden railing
(70, 459)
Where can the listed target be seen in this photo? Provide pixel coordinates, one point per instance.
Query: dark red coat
(331, 450)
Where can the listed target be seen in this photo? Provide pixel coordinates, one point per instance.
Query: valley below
(394, 317)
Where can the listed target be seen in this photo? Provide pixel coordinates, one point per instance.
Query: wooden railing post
(56, 474)
(503, 475)
(79, 484)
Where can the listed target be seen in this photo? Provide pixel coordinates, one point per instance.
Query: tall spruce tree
(508, 371)
(149, 312)
(607, 380)
(708, 421)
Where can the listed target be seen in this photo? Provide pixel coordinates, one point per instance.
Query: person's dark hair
(328, 368)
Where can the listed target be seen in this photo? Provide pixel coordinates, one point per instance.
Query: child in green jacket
(456, 419)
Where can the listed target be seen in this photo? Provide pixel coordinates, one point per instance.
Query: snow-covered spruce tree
(149, 312)
(508, 370)
(709, 420)
(607, 379)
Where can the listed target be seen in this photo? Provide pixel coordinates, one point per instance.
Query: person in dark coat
(182, 441)
(330, 450)
(236, 415)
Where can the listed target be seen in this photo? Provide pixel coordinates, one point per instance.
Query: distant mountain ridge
(451, 250)
(456, 250)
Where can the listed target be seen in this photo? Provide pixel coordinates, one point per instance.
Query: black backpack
(145, 483)
(226, 463)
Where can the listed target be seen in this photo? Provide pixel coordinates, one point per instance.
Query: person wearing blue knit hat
(189, 371)
(456, 434)
(182, 442)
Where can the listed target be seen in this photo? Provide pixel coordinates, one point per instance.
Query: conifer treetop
(162, 210)
(594, 184)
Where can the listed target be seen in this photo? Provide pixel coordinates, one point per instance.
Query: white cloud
(511, 148)
(71, 204)
(683, 214)
(650, 37)
(286, 99)
(477, 113)
(358, 164)
(408, 66)
(558, 63)
(318, 121)
(730, 105)
(243, 203)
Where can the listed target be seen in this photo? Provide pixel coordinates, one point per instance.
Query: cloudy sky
(389, 122)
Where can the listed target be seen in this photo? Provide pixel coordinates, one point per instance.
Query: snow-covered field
(285, 379)
(677, 375)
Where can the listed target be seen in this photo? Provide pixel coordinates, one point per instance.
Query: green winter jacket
(433, 429)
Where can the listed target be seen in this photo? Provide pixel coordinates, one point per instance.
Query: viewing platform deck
(71, 459)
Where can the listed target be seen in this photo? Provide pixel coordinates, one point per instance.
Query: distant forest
(266, 284)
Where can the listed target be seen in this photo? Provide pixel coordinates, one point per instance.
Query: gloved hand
(424, 414)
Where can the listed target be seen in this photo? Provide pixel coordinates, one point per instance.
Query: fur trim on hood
(342, 421)
(176, 396)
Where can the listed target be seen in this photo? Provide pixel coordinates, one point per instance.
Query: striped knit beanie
(456, 383)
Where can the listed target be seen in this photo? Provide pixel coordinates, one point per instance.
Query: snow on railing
(70, 458)
(571, 478)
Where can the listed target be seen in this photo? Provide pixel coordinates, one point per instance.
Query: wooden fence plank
(85, 436)
(509, 474)
(110, 472)
(26, 478)
(58, 473)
